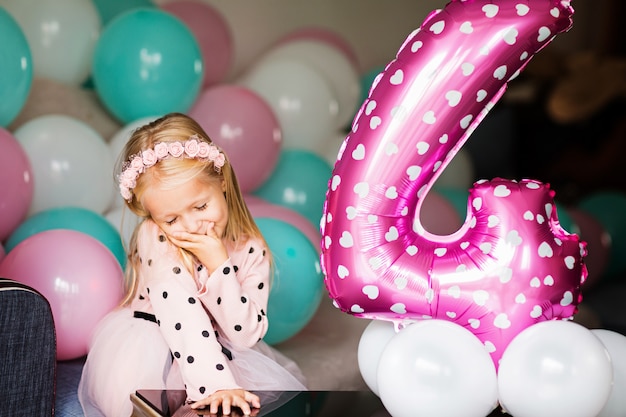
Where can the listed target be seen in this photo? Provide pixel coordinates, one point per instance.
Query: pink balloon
(213, 34)
(510, 265)
(245, 127)
(16, 184)
(261, 208)
(325, 35)
(598, 244)
(81, 279)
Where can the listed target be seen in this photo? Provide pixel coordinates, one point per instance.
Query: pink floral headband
(191, 148)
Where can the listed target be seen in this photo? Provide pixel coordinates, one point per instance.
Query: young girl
(198, 281)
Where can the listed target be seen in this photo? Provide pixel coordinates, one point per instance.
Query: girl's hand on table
(228, 399)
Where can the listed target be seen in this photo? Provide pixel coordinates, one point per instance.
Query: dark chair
(27, 352)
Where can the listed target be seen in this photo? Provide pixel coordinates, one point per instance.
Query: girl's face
(193, 207)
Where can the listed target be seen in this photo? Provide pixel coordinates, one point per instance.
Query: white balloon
(301, 97)
(331, 147)
(554, 368)
(116, 146)
(71, 163)
(371, 345)
(436, 368)
(333, 64)
(124, 221)
(615, 344)
(62, 36)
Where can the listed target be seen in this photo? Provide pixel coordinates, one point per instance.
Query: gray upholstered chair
(27, 352)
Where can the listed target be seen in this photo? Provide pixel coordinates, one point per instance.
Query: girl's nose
(193, 225)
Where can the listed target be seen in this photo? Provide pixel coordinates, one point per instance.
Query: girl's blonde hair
(177, 127)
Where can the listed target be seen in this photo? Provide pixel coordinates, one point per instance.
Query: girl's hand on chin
(208, 248)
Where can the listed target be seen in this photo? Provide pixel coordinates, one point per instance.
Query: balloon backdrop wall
(409, 239)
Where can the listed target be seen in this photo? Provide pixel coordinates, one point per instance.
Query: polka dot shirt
(195, 311)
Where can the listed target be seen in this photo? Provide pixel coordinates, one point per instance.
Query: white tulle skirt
(128, 353)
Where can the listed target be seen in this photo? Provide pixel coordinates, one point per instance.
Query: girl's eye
(171, 222)
(202, 207)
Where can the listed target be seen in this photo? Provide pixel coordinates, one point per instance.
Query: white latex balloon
(554, 368)
(300, 96)
(71, 163)
(371, 345)
(331, 146)
(436, 368)
(615, 344)
(62, 35)
(333, 64)
(116, 146)
(124, 222)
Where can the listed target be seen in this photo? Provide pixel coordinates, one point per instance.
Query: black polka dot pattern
(194, 342)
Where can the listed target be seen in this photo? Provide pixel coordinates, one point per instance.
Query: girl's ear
(224, 185)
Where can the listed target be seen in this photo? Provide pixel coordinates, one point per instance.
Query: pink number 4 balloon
(511, 264)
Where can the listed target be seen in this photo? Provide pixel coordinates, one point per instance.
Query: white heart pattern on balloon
(490, 275)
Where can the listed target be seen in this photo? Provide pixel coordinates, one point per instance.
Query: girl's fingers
(252, 399)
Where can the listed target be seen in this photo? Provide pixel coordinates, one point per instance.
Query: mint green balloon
(110, 9)
(367, 80)
(565, 220)
(71, 218)
(297, 283)
(299, 182)
(16, 68)
(147, 62)
(457, 197)
(609, 208)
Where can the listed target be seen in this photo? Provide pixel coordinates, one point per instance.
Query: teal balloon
(609, 209)
(71, 218)
(457, 197)
(565, 220)
(297, 282)
(16, 68)
(109, 9)
(147, 62)
(367, 80)
(299, 182)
